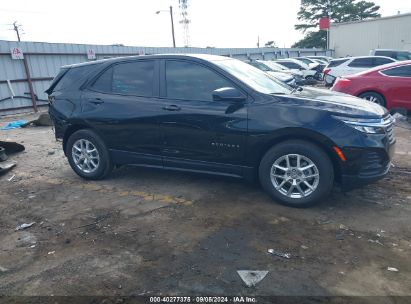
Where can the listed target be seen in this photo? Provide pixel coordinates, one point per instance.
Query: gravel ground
(158, 232)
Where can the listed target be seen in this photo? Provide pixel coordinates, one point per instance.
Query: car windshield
(253, 77)
(305, 60)
(275, 66)
(261, 66)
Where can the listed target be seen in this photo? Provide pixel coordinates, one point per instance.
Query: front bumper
(366, 165)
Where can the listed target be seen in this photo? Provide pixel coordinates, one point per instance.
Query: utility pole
(172, 23)
(16, 29)
(172, 26)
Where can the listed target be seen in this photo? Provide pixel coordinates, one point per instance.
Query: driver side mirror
(228, 94)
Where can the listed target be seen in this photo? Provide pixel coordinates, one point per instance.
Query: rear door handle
(172, 108)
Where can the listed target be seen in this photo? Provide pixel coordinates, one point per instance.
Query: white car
(310, 62)
(294, 64)
(280, 75)
(352, 65)
(280, 68)
(395, 54)
(323, 58)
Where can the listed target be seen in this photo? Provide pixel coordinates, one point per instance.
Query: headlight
(366, 125)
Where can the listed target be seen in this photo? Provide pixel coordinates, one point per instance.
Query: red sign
(324, 23)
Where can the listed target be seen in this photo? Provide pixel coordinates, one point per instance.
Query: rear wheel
(296, 173)
(88, 155)
(373, 97)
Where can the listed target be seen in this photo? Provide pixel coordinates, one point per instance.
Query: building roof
(372, 20)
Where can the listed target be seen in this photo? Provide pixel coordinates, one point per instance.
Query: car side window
(403, 71)
(381, 61)
(362, 63)
(190, 81)
(335, 63)
(129, 78)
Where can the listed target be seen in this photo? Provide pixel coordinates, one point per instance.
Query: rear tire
(308, 172)
(374, 97)
(88, 155)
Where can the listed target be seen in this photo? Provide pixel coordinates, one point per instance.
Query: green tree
(270, 44)
(337, 10)
(312, 40)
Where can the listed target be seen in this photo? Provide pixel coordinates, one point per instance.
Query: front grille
(389, 129)
(373, 164)
(390, 133)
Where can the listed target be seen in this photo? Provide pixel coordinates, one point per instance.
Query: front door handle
(172, 108)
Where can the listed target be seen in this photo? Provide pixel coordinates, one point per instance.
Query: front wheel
(88, 155)
(373, 97)
(296, 173)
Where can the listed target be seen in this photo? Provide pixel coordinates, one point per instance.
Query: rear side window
(336, 63)
(72, 75)
(403, 71)
(381, 61)
(190, 81)
(129, 78)
(290, 65)
(362, 63)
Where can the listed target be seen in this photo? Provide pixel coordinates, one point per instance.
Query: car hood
(340, 104)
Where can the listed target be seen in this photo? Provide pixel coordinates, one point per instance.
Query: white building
(359, 37)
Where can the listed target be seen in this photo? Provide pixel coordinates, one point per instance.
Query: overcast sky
(218, 23)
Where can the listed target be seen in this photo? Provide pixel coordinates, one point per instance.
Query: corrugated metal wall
(45, 59)
(359, 38)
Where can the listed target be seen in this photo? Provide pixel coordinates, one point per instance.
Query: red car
(388, 85)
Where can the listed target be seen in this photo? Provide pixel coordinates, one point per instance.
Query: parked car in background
(395, 54)
(388, 85)
(284, 77)
(309, 73)
(352, 65)
(318, 64)
(324, 58)
(320, 61)
(217, 115)
(275, 67)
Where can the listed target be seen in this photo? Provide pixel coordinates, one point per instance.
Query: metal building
(26, 68)
(358, 38)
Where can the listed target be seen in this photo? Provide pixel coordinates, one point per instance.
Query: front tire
(373, 97)
(296, 173)
(88, 156)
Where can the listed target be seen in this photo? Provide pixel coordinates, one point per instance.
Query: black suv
(218, 115)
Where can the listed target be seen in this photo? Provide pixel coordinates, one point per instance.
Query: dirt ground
(152, 232)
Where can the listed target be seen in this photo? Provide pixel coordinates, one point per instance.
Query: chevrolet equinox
(218, 115)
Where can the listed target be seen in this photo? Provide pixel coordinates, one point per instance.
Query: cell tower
(184, 21)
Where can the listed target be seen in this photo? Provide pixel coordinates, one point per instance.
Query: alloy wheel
(85, 155)
(295, 176)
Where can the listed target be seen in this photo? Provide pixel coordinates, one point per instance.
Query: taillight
(326, 71)
(342, 82)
